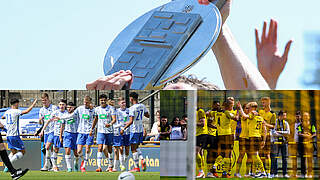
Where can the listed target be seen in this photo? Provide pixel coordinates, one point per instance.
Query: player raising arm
(15, 173)
(136, 113)
(255, 123)
(226, 137)
(12, 116)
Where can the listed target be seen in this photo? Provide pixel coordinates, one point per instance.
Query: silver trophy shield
(165, 42)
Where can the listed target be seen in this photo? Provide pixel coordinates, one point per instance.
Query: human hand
(270, 61)
(90, 133)
(108, 125)
(225, 11)
(238, 105)
(121, 131)
(115, 81)
(41, 134)
(204, 2)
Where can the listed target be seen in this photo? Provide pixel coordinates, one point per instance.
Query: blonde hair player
(255, 123)
(269, 121)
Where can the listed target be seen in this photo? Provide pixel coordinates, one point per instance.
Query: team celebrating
(71, 128)
(262, 135)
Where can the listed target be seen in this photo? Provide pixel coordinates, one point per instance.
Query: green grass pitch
(183, 178)
(34, 175)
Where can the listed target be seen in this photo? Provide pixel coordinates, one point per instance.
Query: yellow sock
(227, 165)
(258, 162)
(238, 165)
(204, 161)
(268, 165)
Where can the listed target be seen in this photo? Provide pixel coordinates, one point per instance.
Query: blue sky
(61, 44)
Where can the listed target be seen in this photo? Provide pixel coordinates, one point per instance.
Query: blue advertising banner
(34, 159)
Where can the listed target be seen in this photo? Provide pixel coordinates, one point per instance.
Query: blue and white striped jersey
(58, 123)
(104, 117)
(71, 124)
(122, 118)
(137, 111)
(12, 121)
(45, 113)
(85, 119)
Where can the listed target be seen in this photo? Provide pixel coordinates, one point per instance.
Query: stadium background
(29, 123)
(175, 103)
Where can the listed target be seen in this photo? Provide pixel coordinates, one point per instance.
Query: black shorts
(1, 141)
(211, 142)
(254, 144)
(225, 142)
(201, 140)
(244, 145)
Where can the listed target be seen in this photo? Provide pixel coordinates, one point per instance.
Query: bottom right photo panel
(239, 134)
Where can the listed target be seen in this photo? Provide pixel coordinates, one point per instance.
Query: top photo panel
(160, 44)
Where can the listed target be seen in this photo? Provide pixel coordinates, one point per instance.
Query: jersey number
(139, 116)
(258, 125)
(9, 119)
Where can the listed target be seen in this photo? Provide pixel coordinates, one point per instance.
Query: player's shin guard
(54, 159)
(68, 161)
(136, 159)
(110, 157)
(6, 161)
(99, 159)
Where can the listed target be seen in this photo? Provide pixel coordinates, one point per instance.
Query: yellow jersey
(269, 117)
(201, 130)
(244, 128)
(218, 117)
(212, 119)
(234, 123)
(225, 123)
(254, 125)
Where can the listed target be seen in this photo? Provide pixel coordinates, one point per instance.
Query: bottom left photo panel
(79, 134)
